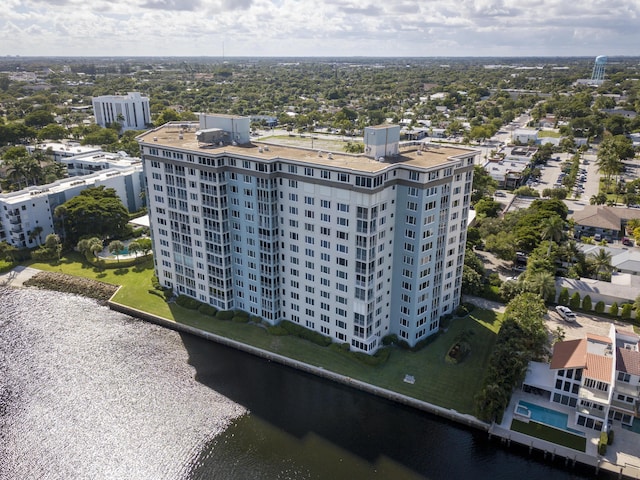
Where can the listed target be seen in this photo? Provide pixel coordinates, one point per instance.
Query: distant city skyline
(253, 28)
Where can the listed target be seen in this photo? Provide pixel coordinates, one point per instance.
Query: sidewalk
(17, 276)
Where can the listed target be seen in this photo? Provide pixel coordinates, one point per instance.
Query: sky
(326, 28)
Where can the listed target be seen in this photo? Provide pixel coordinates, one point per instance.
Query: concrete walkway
(17, 276)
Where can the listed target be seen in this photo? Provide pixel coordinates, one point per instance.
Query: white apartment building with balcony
(22, 211)
(131, 111)
(355, 247)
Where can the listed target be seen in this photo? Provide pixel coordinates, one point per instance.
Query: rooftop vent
(259, 149)
(155, 139)
(330, 156)
(320, 153)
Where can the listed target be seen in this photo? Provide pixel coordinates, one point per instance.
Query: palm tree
(552, 230)
(36, 233)
(134, 247)
(601, 262)
(90, 247)
(116, 247)
(542, 283)
(60, 213)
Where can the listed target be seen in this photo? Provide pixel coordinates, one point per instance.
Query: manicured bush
(610, 437)
(339, 347)
(188, 302)
(305, 333)
(255, 319)
(155, 283)
(613, 309)
(627, 308)
(241, 313)
(563, 297)
(575, 301)
(225, 315)
(586, 303)
(207, 310)
(599, 308)
(240, 319)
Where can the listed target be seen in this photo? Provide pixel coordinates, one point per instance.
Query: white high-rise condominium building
(355, 247)
(131, 111)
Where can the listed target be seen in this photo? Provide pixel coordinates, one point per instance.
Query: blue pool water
(548, 417)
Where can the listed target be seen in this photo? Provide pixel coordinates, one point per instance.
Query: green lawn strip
(437, 382)
(550, 434)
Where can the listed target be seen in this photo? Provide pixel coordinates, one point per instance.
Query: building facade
(21, 212)
(131, 111)
(355, 247)
(600, 377)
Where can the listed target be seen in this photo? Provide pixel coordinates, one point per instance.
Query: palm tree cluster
(23, 170)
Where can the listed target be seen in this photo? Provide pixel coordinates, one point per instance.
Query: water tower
(597, 76)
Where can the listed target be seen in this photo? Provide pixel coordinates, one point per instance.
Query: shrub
(610, 438)
(306, 334)
(390, 339)
(613, 309)
(159, 293)
(240, 319)
(188, 302)
(627, 308)
(494, 280)
(461, 311)
(586, 303)
(5, 266)
(599, 308)
(207, 310)
(339, 347)
(277, 330)
(575, 301)
(225, 315)
(155, 283)
(563, 297)
(241, 313)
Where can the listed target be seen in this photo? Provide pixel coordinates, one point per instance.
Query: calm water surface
(88, 393)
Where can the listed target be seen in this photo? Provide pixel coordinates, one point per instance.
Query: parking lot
(584, 324)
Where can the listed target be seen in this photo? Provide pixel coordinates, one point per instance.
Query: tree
(116, 248)
(52, 131)
(90, 247)
(96, 211)
(543, 284)
(36, 233)
(145, 245)
(552, 230)
(487, 207)
(601, 262)
(134, 248)
(483, 184)
(53, 244)
(38, 118)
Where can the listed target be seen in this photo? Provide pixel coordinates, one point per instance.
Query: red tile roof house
(599, 376)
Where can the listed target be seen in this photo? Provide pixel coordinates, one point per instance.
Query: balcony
(593, 395)
(15, 220)
(17, 228)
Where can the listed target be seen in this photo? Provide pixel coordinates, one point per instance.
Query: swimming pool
(546, 416)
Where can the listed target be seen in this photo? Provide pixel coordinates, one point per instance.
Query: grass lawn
(447, 385)
(550, 434)
(548, 134)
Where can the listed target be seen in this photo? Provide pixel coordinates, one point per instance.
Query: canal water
(87, 393)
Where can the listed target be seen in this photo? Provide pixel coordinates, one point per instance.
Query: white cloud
(328, 28)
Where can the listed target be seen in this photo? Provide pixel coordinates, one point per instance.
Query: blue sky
(320, 28)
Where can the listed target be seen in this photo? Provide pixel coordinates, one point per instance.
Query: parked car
(627, 242)
(500, 194)
(566, 313)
